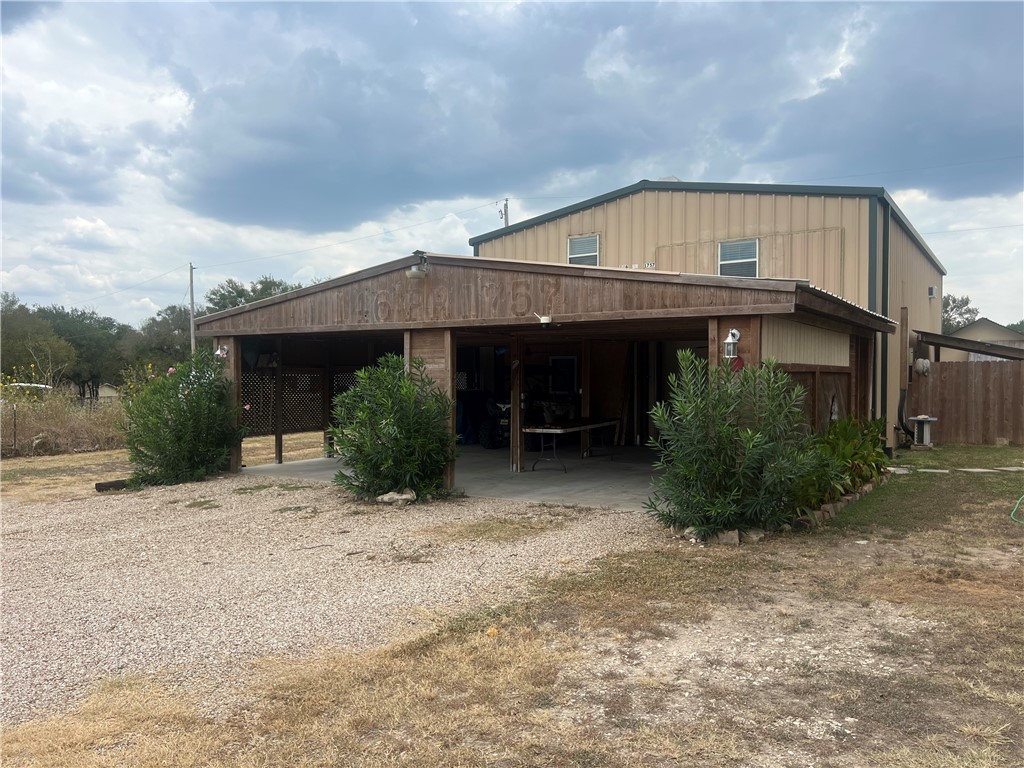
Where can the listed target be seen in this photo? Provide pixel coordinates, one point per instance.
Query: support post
(233, 374)
(279, 405)
(516, 447)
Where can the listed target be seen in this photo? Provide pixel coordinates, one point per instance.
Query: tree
(1018, 326)
(957, 312)
(162, 340)
(29, 343)
(232, 293)
(96, 340)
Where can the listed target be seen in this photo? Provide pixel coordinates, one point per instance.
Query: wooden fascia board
(516, 322)
(969, 345)
(843, 311)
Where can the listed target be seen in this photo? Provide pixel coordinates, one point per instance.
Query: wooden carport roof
(485, 294)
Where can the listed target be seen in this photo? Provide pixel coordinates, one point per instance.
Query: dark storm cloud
(58, 163)
(936, 86)
(321, 116)
(14, 15)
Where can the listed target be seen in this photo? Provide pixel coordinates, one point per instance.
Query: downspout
(884, 365)
(873, 295)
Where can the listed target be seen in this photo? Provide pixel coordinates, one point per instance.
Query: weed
(203, 504)
(250, 489)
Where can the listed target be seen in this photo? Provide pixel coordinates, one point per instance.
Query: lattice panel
(258, 393)
(344, 380)
(303, 399)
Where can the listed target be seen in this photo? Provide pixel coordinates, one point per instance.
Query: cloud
(14, 15)
(228, 131)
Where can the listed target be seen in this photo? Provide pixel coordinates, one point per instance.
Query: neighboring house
(984, 330)
(853, 242)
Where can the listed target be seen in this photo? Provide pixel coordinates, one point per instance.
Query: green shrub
(181, 426)
(850, 454)
(392, 431)
(733, 448)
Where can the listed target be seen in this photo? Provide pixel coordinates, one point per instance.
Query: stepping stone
(979, 471)
(1010, 469)
(935, 471)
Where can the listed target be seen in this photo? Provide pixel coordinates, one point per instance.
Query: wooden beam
(516, 448)
(279, 404)
(233, 374)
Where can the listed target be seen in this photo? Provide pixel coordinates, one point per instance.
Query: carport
(556, 342)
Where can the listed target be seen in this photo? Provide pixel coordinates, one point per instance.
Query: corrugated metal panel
(819, 238)
(786, 341)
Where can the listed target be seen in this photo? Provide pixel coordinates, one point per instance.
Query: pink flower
(247, 406)
(170, 370)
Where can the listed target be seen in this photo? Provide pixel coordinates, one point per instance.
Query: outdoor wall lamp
(418, 271)
(732, 344)
(545, 320)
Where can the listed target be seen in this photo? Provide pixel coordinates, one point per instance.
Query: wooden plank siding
(468, 295)
(976, 403)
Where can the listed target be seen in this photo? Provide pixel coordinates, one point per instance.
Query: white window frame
(756, 260)
(574, 258)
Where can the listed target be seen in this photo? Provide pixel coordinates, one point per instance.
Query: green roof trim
(645, 185)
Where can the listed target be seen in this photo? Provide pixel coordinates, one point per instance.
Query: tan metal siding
(817, 238)
(910, 274)
(789, 342)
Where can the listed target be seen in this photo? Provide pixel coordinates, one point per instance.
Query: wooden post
(233, 374)
(516, 412)
(585, 394)
(713, 350)
(279, 405)
(436, 347)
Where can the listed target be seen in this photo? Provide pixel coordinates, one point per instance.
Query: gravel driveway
(190, 580)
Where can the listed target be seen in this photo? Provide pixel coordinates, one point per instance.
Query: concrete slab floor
(621, 482)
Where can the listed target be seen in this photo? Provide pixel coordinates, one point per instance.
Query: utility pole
(192, 306)
(505, 214)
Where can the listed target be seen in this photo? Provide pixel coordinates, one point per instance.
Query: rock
(804, 522)
(398, 498)
(1002, 442)
(732, 538)
(691, 533)
(753, 536)
(868, 487)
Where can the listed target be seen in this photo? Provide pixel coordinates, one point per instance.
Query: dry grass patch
(499, 529)
(637, 594)
(297, 447)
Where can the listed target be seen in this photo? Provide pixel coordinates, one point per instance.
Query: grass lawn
(890, 637)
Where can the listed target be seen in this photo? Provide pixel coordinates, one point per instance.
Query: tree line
(56, 345)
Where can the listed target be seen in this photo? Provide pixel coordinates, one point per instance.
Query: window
(583, 250)
(738, 258)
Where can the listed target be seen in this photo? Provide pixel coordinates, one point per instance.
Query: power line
(129, 287)
(972, 229)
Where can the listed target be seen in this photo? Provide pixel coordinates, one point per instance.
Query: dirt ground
(889, 637)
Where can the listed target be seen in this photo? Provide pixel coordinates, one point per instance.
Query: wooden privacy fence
(976, 403)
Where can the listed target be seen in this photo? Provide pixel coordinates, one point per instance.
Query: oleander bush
(181, 426)
(733, 447)
(391, 431)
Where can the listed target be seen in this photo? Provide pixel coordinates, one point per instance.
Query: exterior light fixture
(545, 320)
(418, 271)
(732, 344)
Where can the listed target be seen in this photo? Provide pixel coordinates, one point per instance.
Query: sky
(310, 140)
